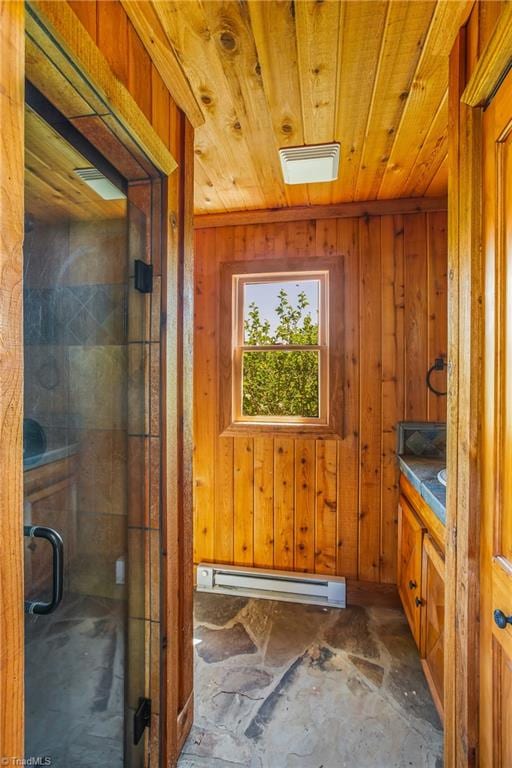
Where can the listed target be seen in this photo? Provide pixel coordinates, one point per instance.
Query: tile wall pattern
(75, 315)
(425, 439)
(144, 447)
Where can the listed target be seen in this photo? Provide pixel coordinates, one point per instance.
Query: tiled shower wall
(75, 336)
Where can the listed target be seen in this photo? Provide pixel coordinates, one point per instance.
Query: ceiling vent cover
(309, 164)
(99, 183)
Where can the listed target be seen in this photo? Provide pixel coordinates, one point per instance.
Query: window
(280, 335)
(280, 356)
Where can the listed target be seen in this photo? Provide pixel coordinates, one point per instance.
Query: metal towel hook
(439, 365)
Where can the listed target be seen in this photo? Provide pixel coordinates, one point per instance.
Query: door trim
(55, 29)
(465, 384)
(12, 65)
(140, 156)
(177, 442)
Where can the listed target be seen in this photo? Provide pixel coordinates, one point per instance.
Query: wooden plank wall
(114, 34)
(324, 506)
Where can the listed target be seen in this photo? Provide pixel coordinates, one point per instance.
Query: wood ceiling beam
(149, 28)
(307, 213)
(73, 56)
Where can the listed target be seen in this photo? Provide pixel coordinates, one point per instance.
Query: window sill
(292, 431)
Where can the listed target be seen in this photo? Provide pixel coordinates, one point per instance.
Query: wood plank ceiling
(372, 75)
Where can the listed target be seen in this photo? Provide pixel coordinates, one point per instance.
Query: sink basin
(441, 476)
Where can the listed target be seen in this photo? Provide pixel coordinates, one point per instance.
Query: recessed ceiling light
(100, 184)
(310, 164)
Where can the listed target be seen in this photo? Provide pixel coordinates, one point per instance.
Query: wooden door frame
(67, 41)
(12, 67)
(177, 443)
(467, 99)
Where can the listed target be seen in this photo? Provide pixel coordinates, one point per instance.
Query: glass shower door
(76, 438)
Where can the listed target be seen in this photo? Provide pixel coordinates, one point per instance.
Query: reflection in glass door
(76, 285)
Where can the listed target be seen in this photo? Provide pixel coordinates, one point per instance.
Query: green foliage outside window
(281, 383)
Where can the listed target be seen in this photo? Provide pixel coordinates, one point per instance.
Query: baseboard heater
(289, 586)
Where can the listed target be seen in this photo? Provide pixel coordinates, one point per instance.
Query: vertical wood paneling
(301, 238)
(160, 106)
(416, 308)
(112, 37)
(243, 495)
(305, 505)
(348, 451)
(326, 513)
(139, 71)
(264, 502)
(224, 523)
(284, 503)
(224, 501)
(205, 397)
(392, 241)
(370, 404)
(86, 11)
(437, 309)
(326, 506)
(326, 237)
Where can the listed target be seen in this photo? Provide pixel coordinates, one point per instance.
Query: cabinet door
(54, 506)
(410, 538)
(432, 621)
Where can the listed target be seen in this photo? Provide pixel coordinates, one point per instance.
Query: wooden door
(496, 506)
(410, 536)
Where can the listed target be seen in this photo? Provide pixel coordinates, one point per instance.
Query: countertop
(54, 454)
(422, 474)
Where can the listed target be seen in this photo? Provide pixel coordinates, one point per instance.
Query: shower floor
(74, 683)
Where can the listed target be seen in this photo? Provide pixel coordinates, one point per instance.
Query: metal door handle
(55, 539)
(501, 620)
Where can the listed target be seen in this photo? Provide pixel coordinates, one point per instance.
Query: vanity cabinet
(50, 500)
(432, 620)
(410, 541)
(421, 583)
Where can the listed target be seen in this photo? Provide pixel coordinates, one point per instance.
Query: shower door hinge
(143, 276)
(141, 719)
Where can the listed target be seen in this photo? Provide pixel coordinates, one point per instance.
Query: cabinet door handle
(501, 620)
(412, 584)
(419, 602)
(41, 532)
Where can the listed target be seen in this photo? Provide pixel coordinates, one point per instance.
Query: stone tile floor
(281, 685)
(74, 681)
